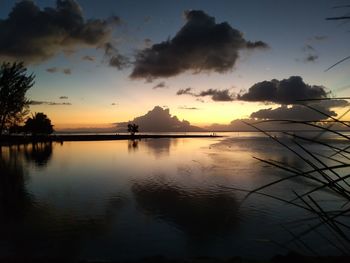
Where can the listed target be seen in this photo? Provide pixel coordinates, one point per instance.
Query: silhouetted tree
(38, 124)
(133, 128)
(14, 83)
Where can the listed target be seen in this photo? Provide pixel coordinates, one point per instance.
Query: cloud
(114, 104)
(159, 120)
(308, 47)
(240, 125)
(63, 98)
(311, 55)
(49, 103)
(35, 34)
(216, 95)
(296, 112)
(66, 71)
(160, 85)
(257, 44)
(319, 38)
(187, 91)
(286, 91)
(292, 91)
(187, 108)
(300, 112)
(331, 103)
(115, 59)
(88, 58)
(200, 45)
(52, 70)
(311, 58)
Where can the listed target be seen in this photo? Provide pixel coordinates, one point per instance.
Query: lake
(126, 200)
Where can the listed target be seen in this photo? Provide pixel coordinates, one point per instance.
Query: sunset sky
(102, 62)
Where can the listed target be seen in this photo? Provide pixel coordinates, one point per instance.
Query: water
(116, 200)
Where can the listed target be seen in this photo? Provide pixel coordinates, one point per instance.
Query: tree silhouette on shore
(38, 124)
(133, 128)
(14, 83)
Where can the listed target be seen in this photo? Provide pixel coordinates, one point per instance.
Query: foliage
(38, 124)
(133, 128)
(14, 83)
(328, 171)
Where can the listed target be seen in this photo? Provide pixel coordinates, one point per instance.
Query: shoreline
(22, 139)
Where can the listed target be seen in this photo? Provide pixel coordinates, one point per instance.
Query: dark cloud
(311, 58)
(88, 58)
(308, 47)
(63, 98)
(159, 120)
(331, 103)
(35, 34)
(300, 112)
(257, 44)
(187, 91)
(113, 104)
(286, 91)
(240, 125)
(115, 59)
(188, 108)
(66, 71)
(49, 103)
(160, 85)
(311, 55)
(319, 38)
(296, 112)
(52, 70)
(200, 45)
(216, 95)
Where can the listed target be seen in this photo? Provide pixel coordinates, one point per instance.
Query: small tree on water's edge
(133, 128)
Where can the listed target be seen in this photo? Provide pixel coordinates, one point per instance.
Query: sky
(102, 62)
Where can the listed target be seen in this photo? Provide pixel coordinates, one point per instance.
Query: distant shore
(21, 139)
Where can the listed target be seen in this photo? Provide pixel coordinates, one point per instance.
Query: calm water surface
(114, 200)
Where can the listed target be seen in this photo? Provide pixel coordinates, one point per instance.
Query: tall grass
(327, 169)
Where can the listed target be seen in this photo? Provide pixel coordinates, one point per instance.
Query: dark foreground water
(116, 200)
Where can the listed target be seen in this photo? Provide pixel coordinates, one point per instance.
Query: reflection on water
(32, 228)
(133, 145)
(14, 197)
(115, 200)
(200, 213)
(39, 153)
